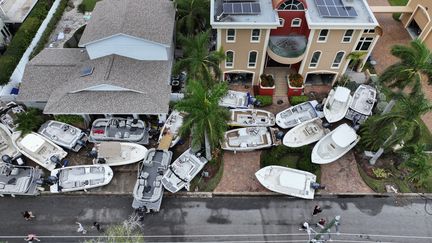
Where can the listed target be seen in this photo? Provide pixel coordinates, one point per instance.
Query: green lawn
(398, 2)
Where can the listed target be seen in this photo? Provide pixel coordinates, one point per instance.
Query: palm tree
(198, 61)
(206, 120)
(356, 58)
(29, 121)
(192, 16)
(386, 130)
(420, 168)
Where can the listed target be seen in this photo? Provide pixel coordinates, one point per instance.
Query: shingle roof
(152, 20)
(65, 90)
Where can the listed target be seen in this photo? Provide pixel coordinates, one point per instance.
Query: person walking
(81, 228)
(28, 215)
(97, 226)
(321, 223)
(317, 210)
(31, 237)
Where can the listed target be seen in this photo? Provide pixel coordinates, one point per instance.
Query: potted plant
(295, 84)
(266, 84)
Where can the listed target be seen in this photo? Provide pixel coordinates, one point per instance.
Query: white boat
(251, 118)
(8, 115)
(39, 149)
(118, 129)
(337, 104)
(361, 107)
(64, 135)
(297, 114)
(305, 133)
(292, 182)
(116, 153)
(335, 144)
(172, 127)
(18, 180)
(181, 172)
(80, 177)
(6, 145)
(249, 139)
(148, 190)
(235, 99)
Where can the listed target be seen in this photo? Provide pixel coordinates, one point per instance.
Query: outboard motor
(55, 159)
(51, 180)
(101, 161)
(316, 186)
(319, 107)
(93, 154)
(326, 124)
(7, 159)
(279, 135)
(81, 143)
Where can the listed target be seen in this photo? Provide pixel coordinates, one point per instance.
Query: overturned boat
(80, 177)
(8, 115)
(148, 190)
(63, 134)
(39, 149)
(19, 180)
(6, 145)
(172, 127)
(297, 114)
(284, 180)
(116, 153)
(181, 172)
(335, 144)
(251, 118)
(305, 133)
(118, 129)
(249, 139)
(361, 107)
(236, 99)
(337, 104)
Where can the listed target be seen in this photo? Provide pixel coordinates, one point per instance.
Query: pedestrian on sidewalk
(321, 223)
(28, 215)
(97, 226)
(81, 228)
(31, 237)
(317, 210)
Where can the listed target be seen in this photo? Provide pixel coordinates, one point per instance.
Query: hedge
(49, 29)
(22, 39)
(265, 100)
(295, 100)
(87, 5)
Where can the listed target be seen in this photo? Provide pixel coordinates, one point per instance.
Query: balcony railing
(291, 46)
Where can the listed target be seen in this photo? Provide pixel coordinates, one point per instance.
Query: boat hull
(335, 111)
(172, 125)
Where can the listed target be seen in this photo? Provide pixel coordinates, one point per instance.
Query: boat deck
(80, 177)
(252, 139)
(18, 180)
(298, 114)
(104, 131)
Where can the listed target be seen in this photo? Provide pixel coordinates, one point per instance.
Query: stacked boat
(306, 133)
(116, 153)
(119, 129)
(251, 118)
(63, 134)
(172, 126)
(337, 104)
(249, 139)
(297, 114)
(148, 190)
(361, 107)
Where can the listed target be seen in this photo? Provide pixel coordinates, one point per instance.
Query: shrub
(29, 121)
(265, 100)
(380, 173)
(7, 66)
(69, 119)
(396, 16)
(87, 5)
(295, 100)
(296, 80)
(267, 80)
(49, 29)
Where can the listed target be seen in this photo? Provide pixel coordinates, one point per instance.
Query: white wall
(129, 47)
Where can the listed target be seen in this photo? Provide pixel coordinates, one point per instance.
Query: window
(229, 62)
(252, 59)
(338, 59)
(230, 35)
(323, 35)
(255, 35)
(281, 22)
(291, 5)
(347, 36)
(296, 22)
(364, 43)
(3, 33)
(369, 31)
(315, 59)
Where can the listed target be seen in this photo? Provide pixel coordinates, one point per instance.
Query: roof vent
(86, 71)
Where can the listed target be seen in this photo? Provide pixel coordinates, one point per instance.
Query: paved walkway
(342, 176)
(239, 172)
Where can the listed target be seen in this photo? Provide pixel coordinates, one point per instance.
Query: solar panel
(334, 8)
(86, 71)
(239, 8)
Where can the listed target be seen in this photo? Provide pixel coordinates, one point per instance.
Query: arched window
(338, 59)
(291, 5)
(229, 62)
(315, 59)
(253, 55)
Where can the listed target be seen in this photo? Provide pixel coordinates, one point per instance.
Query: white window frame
(228, 39)
(369, 31)
(315, 65)
(226, 62)
(336, 65)
(298, 24)
(256, 59)
(345, 36)
(252, 36)
(281, 22)
(320, 40)
(362, 41)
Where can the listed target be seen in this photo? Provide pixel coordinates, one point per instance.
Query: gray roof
(66, 92)
(152, 20)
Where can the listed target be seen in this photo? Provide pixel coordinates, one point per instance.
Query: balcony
(287, 49)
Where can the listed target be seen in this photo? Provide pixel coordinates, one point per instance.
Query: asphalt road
(221, 219)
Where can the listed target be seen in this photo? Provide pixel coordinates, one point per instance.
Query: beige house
(418, 22)
(311, 37)
(5, 35)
